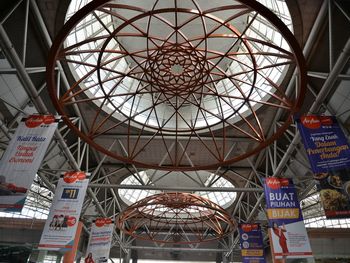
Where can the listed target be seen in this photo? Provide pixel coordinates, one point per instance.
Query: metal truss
(176, 87)
(173, 217)
(283, 157)
(75, 162)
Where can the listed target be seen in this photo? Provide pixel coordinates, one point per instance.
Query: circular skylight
(169, 75)
(178, 65)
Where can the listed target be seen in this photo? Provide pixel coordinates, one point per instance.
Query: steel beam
(203, 250)
(41, 107)
(177, 189)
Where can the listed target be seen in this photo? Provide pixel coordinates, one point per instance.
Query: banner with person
(22, 158)
(287, 233)
(63, 218)
(252, 245)
(329, 156)
(100, 240)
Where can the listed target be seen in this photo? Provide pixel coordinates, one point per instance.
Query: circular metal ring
(176, 218)
(182, 92)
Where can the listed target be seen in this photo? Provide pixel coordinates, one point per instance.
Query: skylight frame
(209, 118)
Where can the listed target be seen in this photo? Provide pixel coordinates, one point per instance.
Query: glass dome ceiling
(170, 78)
(178, 71)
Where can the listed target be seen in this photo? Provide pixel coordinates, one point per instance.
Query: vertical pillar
(218, 257)
(70, 255)
(37, 256)
(58, 258)
(225, 259)
(127, 257)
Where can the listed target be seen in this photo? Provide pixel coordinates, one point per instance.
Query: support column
(37, 256)
(70, 256)
(219, 257)
(127, 257)
(58, 258)
(134, 255)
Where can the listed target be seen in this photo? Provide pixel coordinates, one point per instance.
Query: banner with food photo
(61, 224)
(334, 188)
(22, 158)
(252, 245)
(100, 240)
(329, 156)
(287, 233)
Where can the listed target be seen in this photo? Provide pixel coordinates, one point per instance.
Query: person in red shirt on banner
(89, 259)
(279, 232)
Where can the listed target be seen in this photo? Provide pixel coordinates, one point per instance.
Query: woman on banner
(280, 231)
(89, 258)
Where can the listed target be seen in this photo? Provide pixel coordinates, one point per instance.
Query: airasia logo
(284, 182)
(100, 222)
(326, 121)
(311, 122)
(72, 177)
(273, 183)
(249, 227)
(276, 183)
(36, 120)
(71, 221)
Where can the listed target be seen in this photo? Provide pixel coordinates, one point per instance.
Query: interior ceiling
(23, 90)
(175, 80)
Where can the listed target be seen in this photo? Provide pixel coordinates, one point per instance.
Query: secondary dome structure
(176, 218)
(165, 76)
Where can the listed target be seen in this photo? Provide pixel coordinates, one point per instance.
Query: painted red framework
(178, 73)
(181, 218)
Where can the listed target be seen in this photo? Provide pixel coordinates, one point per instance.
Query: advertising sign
(325, 143)
(329, 156)
(334, 187)
(100, 240)
(252, 246)
(22, 158)
(62, 222)
(287, 233)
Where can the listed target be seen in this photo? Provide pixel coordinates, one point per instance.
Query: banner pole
(70, 255)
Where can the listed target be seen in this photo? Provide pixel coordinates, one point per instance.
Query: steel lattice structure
(179, 76)
(181, 218)
(288, 159)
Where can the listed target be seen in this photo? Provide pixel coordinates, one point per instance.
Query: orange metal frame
(178, 70)
(176, 218)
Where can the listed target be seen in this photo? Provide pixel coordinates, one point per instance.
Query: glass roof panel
(179, 77)
(130, 196)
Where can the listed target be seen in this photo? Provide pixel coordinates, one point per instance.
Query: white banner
(62, 222)
(287, 233)
(22, 158)
(100, 240)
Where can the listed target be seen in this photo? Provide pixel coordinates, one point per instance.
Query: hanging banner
(22, 158)
(100, 240)
(287, 233)
(62, 222)
(252, 246)
(325, 143)
(329, 156)
(334, 187)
